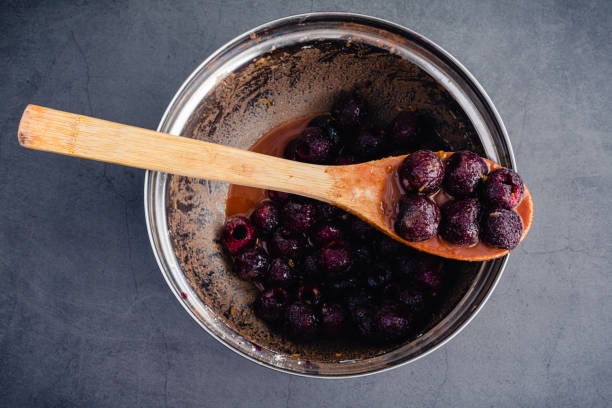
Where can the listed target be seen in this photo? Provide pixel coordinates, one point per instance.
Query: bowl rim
(150, 176)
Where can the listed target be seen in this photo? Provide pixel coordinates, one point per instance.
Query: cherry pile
(323, 273)
(482, 208)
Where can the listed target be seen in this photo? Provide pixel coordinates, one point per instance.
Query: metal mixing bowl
(281, 70)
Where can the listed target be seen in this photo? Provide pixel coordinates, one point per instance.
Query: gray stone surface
(85, 316)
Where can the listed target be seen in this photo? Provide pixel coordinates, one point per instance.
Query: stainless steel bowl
(280, 70)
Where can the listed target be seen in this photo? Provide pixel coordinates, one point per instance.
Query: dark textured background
(86, 318)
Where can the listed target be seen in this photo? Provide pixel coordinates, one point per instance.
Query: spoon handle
(82, 136)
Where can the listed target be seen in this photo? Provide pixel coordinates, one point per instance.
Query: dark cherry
(379, 276)
(333, 319)
(369, 143)
(349, 110)
(360, 230)
(330, 126)
(334, 259)
(404, 129)
(413, 297)
(358, 297)
(388, 247)
(342, 286)
(502, 228)
(392, 290)
(324, 234)
(265, 218)
(429, 136)
(252, 264)
(238, 234)
(503, 188)
(278, 196)
(271, 304)
(309, 269)
(429, 271)
(345, 217)
(418, 218)
(326, 211)
(393, 321)
(464, 172)
(345, 160)
(301, 322)
(298, 216)
(289, 152)
(313, 146)
(286, 243)
(364, 319)
(460, 221)
(321, 121)
(422, 172)
(362, 257)
(405, 263)
(282, 273)
(309, 294)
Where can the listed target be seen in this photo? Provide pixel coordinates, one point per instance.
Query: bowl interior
(260, 82)
(284, 84)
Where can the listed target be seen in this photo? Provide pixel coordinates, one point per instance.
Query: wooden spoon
(360, 188)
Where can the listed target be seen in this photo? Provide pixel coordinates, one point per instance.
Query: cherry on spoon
(361, 189)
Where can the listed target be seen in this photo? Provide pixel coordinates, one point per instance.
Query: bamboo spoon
(360, 189)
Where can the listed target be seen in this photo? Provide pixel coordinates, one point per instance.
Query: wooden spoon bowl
(368, 191)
